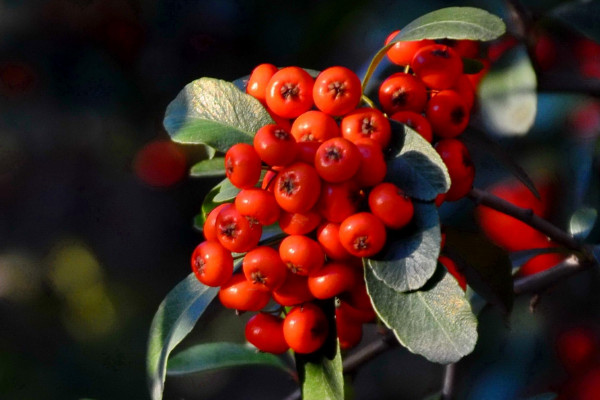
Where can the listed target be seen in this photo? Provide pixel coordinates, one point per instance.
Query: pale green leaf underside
(211, 168)
(435, 322)
(582, 222)
(216, 113)
(324, 380)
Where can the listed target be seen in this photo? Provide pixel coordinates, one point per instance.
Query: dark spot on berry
(400, 98)
(281, 134)
(229, 230)
(361, 243)
(443, 53)
(257, 277)
(337, 89)
(334, 153)
(367, 127)
(199, 264)
(457, 115)
(287, 185)
(289, 90)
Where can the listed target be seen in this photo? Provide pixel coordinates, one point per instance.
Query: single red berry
(274, 145)
(235, 231)
(297, 187)
(373, 167)
(402, 91)
(402, 53)
(212, 263)
(289, 92)
(242, 165)
(265, 332)
(337, 160)
(294, 291)
(209, 229)
(240, 294)
(337, 91)
(332, 279)
(258, 204)
(305, 328)
(354, 313)
(314, 126)
(457, 158)
(362, 234)
(391, 205)
(454, 271)
(328, 237)
(367, 123)
(349, 331)
(415, 121)
(263, 267)
(465, 89)
(437, 65)
(299, 223)
(339, 200)
(301, 254)
(306, 151)
(259, 78)
(447, 113)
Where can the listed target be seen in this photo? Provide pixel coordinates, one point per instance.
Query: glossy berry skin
(337, 91)
(289, 92)
(437, 65)
(402, 53)
(297, 188)
(466, 91)
(258, 204)
(265, 332)
(391, 205)
(240, 294)
(454, 271)
(447, 113)
(328, 236)
(212, 263)
(263, 267)
(416, 122)
(373, 167)
(349, 331)
(460, 167)
(299, 223)
(236, 232)
(301, 254)
(242, 165)
(314, 126)
(339, 200)
(306, 151)
(366, 123)
(305, 328)
(209, 229)
(351, 312)
(362, 234)
(259, 78)
(274, 145)
(332, 279)
(402, 91)
(337, 160)
(294, 291)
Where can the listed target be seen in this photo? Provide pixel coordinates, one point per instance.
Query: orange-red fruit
(402, 53)
(437, 65)
(212, 263)
(577, 348)
(332, 279)
(368, 123)
(328, 236)
(242, 165)
(301, 254)
(294, 291)
(416, 122)
(457, 158)
(349, 331)
(391, 205)
(258, 204)
(373, 168)
(263, 267)
(274, 145)
(297, 187)
(236, 232)
(305, 328)
(259, 78)
(402, 91)
(454, 271)
(362, 234)
(289, 92)
(353, 312)
(306, 151)
(240, 294)
(339, 200)
(337, 91)
(265, 332)
(209, 229)
(314, 126)
(337, 160)
(299, 223)
(447, 113)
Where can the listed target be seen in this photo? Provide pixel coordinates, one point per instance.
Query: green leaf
(175, 318)
(435, 321)
(322, 378)
(453, 23)
(582, 222)
(471, 66)
(214, 167)
(416, 167)
(227, 192)
(216, 113)
(507, 95)
(581, 16)
(214, 356)
(410, 258)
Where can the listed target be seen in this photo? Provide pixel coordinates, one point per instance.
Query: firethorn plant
(327, 220)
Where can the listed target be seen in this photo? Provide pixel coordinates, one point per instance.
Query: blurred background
(96, 207)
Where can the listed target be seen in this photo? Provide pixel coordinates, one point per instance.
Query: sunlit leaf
(582, 222)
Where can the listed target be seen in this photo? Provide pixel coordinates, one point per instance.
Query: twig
(449, 379)
(541, 280)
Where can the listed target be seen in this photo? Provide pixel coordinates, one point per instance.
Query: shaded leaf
(507, 95)
(175, 318)
(210, 168)
(213, 356)
(214, 112)
(227, 192)
(410, 258)
(582, 222)
(435, 321)
(582, 16)
(416, 167)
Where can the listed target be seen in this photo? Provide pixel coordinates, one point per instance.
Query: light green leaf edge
(582, 222)
(324, 380)
(211, 168)
(436, 322)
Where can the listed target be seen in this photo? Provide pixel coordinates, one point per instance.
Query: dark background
(88, 246)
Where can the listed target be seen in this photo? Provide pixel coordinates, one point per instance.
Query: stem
(369, 352)
(526, 215)
(368, 101)
(449, 379)
(541, 280)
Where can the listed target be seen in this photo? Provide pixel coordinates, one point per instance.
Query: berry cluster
(434, 97)
(323, 184)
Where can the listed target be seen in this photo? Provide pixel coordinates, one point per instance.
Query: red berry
(402, 53)
(349, 331)
(460, 167)
(447, 113)
(437, 65)
(339, 200)
(236, 232)
(297, 187)
(259, 78)
(265, 332)
(368, 123)
(240, 294)
(274, 145)
(305, 328)
(242, 165)
(362, 234)
(289, 92)
(373, 167)
(337, 160)
(212, 263)
(332, 279)
(263, 267)
(402, 91)
(416, 122)
(329, 238)
(299, 223)
(337, 91)
(209, 229)
(301, 254)
(389, 203)
(294, 291)
(314, 126)
(258, 204)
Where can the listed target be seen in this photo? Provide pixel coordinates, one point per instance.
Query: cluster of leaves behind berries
(323, 168)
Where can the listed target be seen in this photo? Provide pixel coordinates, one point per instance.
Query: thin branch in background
(542, 280)
(449, 380)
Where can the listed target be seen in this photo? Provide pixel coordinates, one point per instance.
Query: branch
(540, 281)
(527, 216)
(449, 379)
(568, 84)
